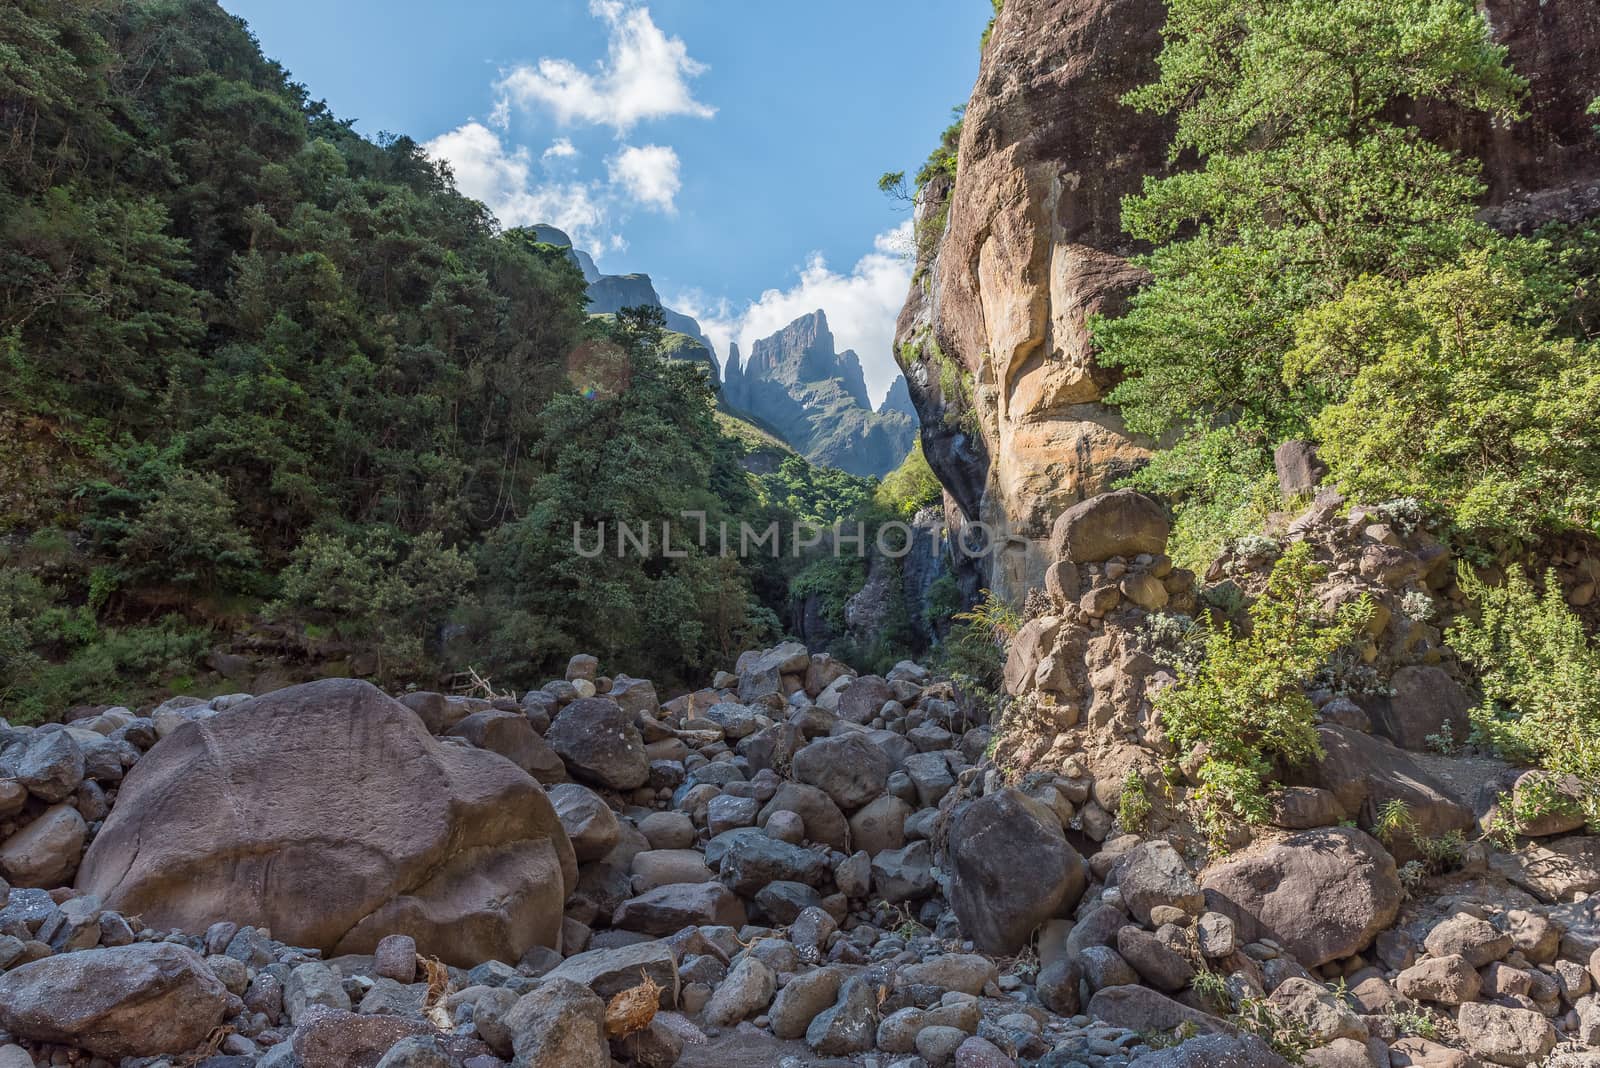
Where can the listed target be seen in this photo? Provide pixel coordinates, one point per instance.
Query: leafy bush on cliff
(1245, 707)
(1307, 184)
(1457, 390)
(1538, 670)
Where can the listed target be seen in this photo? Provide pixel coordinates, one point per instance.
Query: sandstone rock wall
(993, 336)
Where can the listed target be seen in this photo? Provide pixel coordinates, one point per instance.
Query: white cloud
(862, 307)
(563, 148)
(649, 175)
(644, 76)
(502, 178)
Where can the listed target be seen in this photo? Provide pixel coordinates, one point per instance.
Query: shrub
(974, 652)
(1461, 395)
(376, 588)
(1538, 670)
(1246, 703)
(21, 598)
(167, 524)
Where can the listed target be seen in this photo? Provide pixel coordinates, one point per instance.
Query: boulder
(753, 861)
(1121, 523)
(133, 1001)
(52, 766)
(1323, 895)
(508, 733)
(1138, 1008)
(590, 824)
(1557, 870)
(608, 972)
(1476, 941)
(823, 821)
(851, 1025)
(847, 767)
(660, 867)
(599, 744)
(904, 874)
(45, 853)
(1427, 704)
(1365, 773)
(747, 990)
(761, 674)
(1446, 980)
(1544, 804)
(1152, 873)
(880, 825)
(1316, 1012)
(560, 1024)
(669, 909)
(333, 1037)
(862, 698)
(988, 836)
(1299, 469)
(328, 814)
(1504, 1035)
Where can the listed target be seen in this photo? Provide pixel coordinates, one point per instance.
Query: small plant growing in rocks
(1419, 606)
(1537, 668)
(1247, 702)
(1134, 807)
(1404, 514)
(1174, 639)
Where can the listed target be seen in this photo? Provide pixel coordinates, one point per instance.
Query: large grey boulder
(1138, 1008)
(45, 853)
(1324, 895)
(608, 972)
(1365, 773)
(1427, 705)
(133, 1001)
(847, 767)
(599, 744)
(1152, 873)
(989, 838)
(328, 814)
(53, 765)
(751, 862)
(590, 824)
(1505, 1035)
(560, 1024)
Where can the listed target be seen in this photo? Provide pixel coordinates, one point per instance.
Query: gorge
(1260, 340)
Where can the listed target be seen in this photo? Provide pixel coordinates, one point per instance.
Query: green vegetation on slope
(256, 368)
(1307, 186)
(1245, 703)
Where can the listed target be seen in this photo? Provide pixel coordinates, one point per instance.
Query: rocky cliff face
(610, 293)
(993, 337)
(815, 398)
(898, 399)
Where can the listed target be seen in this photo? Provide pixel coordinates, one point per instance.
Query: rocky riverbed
(796, 865)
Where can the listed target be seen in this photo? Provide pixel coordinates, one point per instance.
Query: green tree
(1306, 184)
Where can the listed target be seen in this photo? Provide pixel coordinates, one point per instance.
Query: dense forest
(267, 379)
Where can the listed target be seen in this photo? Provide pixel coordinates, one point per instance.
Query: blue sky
(728, 148)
